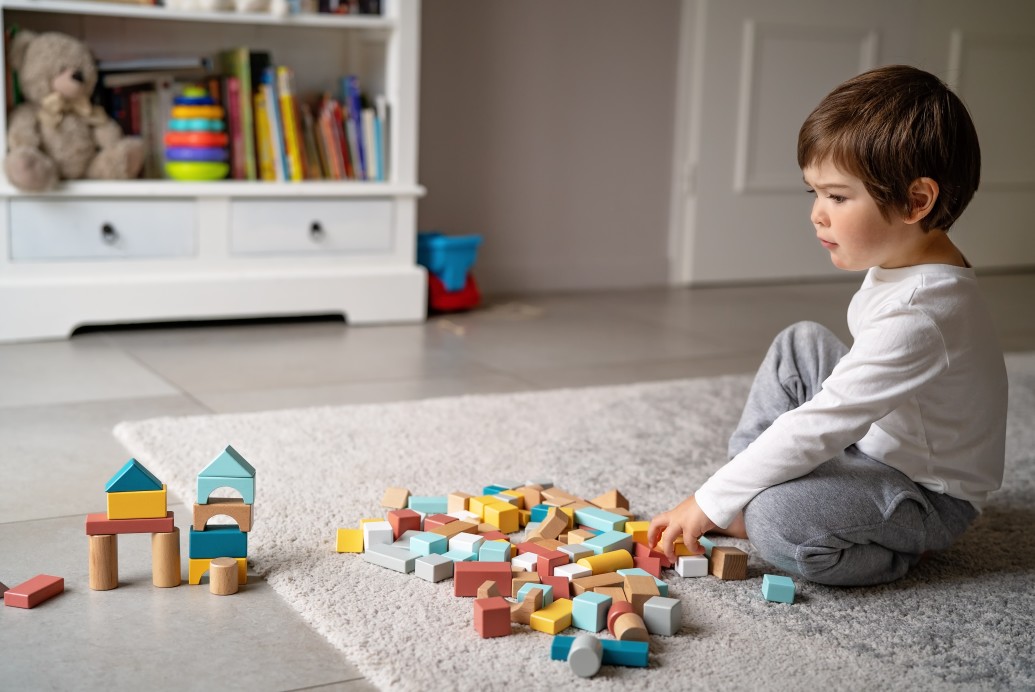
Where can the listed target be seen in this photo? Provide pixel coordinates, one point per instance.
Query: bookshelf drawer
(311, 226)
(53, 229)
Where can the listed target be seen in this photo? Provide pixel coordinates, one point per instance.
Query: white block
(377, 533)
(509, 485)
(404, 539)
(577, 551)
(525, 562)
(509, 499)
(692, 566)
(662, 615)
(433, 567)
(572, 571)
(391, 557)
(585, 655)
(545, 485)
(464, 515)
(468, 542)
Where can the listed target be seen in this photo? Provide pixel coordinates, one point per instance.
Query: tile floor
(60, 400)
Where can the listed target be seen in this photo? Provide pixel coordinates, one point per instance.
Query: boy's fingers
(668, 540)
(657, 524)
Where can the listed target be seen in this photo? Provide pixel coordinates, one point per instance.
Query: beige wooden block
(222, 576)
(557, 497)
(396, 498)
(630, 627)
(522, 612)
(486, 527)
(616, 593)
(548, 543)
(533, 495)
(579, 536)
(638, 589)
(232, 507)
(611, 500)
(104, 562)
(165, 558)
(520, 578)
(583, 584)
(454, 527)
(457, 502)
(552, 526)
(488, 589)
(728, 563)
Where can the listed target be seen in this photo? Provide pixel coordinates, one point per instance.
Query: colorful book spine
(370, 143)
(381, 106)
(280, 164)
(347, 148)
(238, 153)
(263, 141)
(354, 103)
(289, 121)
(237, 63)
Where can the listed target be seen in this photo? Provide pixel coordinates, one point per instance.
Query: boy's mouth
(827, 244)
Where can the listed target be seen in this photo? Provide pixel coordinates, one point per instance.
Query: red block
(31, 593)
(561, 586)
(641, 550)
(449, 301)
(468, 576)
(435, 520)
(649, 564)
(403, 520)
(494, 536)
(617, 608)
(546, 564)
(98, 524)
(492, 616)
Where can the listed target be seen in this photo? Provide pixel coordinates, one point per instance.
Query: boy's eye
(838, 199)
(810, 191)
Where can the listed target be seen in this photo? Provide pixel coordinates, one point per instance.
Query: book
(269, 89)
(155, 63)
(314, 170)
(289, 122)
(238, 152)
(353, 102)
(263, 140)
(369, 143)
(236, 62)
(383, 127)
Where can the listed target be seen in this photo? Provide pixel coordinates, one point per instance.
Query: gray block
(392, 557)
(662, 615)
(585, 655)
(433, 567)
(576, 550)
(404, 540)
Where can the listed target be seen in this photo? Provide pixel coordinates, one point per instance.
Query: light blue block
(209, 484)
(778, 589)
(546, 588)
(600, 519)
(460, 555)
(217, 541)
(132, 477)
(662, 585)
(609, 541)
(707, 544)
(589, 611)
(427, 543)
(539, 513)
(493, 489)
(494, 551)
(429, 504)
(229, 464)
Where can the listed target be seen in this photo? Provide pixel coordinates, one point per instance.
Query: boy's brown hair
(890, 126)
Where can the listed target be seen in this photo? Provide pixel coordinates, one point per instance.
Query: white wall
(547, 127)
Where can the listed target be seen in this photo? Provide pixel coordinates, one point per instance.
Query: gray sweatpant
(853, 520)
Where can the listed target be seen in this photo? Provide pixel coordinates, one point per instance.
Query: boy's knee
(804, 333)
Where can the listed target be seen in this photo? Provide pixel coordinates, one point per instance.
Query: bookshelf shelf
(109, 252)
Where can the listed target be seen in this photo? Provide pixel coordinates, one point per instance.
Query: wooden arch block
(231, 507)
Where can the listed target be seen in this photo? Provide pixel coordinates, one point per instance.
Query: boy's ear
(923, 193)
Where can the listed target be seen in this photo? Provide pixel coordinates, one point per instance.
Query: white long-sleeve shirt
(923, 389)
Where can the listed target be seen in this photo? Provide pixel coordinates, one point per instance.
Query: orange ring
(196, 139)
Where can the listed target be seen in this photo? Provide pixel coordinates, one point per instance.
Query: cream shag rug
(964, 619)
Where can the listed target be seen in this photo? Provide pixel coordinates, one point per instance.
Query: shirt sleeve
(898, 351)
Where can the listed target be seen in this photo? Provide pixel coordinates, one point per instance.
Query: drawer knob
(316, 231)
(109, 234)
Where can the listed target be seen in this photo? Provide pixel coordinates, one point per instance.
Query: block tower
(228, 470)
(136, 504)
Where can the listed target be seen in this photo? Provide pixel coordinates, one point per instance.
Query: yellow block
(476, 505)
(503, 516)
(571, 516)
(520, 498)
(214, 112)
(367, 521)
(524, 516)
(350, 541)
(198, 566)
(554, 618)
(139, 504)
(607, 562)
(638, 530)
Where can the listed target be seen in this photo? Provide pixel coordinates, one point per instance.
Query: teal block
(546, 588)
(616, 653)
(493, 489)
(610, 540)
(229, 464)
(218, 541)
(460, 555)
(132, 477)
(662, 585)
(494, 551)
(539, 512)
(599, 519)
(208, 484)
(778, 589)
(427, 543)
(429, 504)
(707, 544)
(589, 611)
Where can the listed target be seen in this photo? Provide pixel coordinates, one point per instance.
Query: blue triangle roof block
(229, 464)
(132, 477)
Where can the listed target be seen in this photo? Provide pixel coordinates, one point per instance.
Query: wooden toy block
(706, 543)
(31, 593)
(638, 589)
(404, 540)
(140, 504)
(610, 541)
(457, 502)
(104, 562)
(222, 578)
(538, 512)
(455, 527)
(390, 557)
(403, 520)
(524, 516)
(485, 527)
(217, 541)
(649, 564)
(376, 533)
(99, 524)
(553, 618)
(572, 571)
(777, 588)
(428, 504)
(692, 566)
(558, 497)
(494, 551)
(461, 555)
(545, 589)
(427, 543)
(435, 520)
(468, 576)
(521, 612)
(526, 562)
(488, 590)
(607, 562)
(547, 543)
(165, 559)
(630, 627)
(209, 484)
(232, 507)
(585, 655)
(600, 519)
(615, 653)
(611, 499)
(589, 611)
(663, 615)
(532, 496)
(520, 579)
(576, 551)
(546, 564)
(3, 588)
(493, 489)
(464, 515)
(196, 569)
(638, 530)
(583, 584)
(728, 563)
(579, 536)
(132, 477)
(503, 517)
(560, 585)
(433, 568)
(569, 512)
(494, 536)
(229, 464)
(349, 541)
(617, 609)
(469, 542)
(492, 617)
(636, 571)
(395, 498)
(476, 505)
(519, 498)
(615, 593)
(642, 551)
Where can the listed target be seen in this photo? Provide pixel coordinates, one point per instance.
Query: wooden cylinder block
(630, 627)
(165, 558)
(618, 608)
(104, 562)
(222, 576)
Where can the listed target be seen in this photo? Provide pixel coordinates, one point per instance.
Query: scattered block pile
(222, 550)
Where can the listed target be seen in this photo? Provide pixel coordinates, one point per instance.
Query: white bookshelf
(98, 252)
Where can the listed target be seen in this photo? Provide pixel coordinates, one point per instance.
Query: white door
(761, 67)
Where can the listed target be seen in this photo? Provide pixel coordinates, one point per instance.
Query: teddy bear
(57, 133)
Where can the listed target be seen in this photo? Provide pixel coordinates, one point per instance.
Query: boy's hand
(685, 519)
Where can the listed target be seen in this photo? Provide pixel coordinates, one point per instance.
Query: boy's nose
(817, 217)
